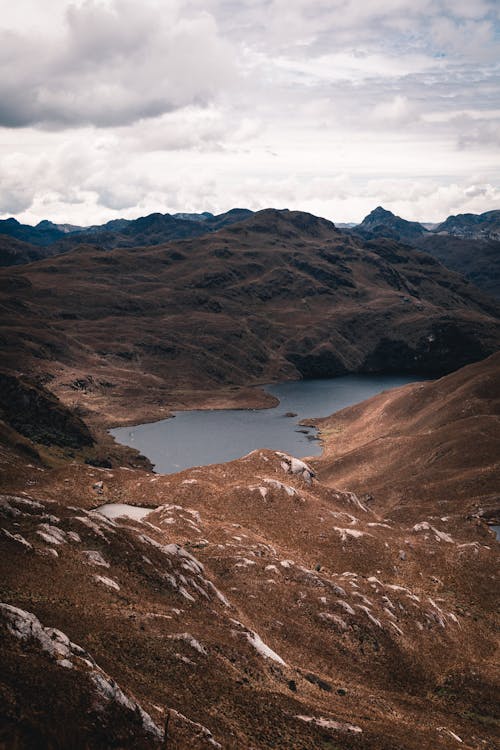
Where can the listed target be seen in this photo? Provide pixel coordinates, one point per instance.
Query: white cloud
(398, 110)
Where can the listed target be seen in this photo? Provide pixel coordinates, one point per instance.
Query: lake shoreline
(214, 433)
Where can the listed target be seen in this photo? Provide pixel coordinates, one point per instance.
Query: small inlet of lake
(496, 531)
(198, 438)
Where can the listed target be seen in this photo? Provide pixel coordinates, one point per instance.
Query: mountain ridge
(468, 243)
(155, 228)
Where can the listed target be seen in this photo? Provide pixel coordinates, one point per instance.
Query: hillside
(14, 252)
(432, 447)
(280, 295)
(467, 244)
(268, 603)
(478, 260)
(257, 605)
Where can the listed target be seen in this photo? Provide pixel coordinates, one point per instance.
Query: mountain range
(343, 601)
(467, 243)
(52, 239)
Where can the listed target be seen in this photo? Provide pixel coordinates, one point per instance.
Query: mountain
(469, 253)
(468, 244)
(382, 223)
(155, 229)
(45, 233)
(48, 226)
(281, 295)
(147, 230)
(473, 226)
(258, 604)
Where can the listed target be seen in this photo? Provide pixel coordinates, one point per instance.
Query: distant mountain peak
(383, 223)
(379, 212)
(45, 223)
(286, 223)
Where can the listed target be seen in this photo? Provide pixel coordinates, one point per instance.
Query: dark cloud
(112, 65)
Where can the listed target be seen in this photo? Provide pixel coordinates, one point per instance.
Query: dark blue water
(197, 438)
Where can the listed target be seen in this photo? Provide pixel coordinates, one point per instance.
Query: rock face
(279, 295)
(37, 414)
(478, 260)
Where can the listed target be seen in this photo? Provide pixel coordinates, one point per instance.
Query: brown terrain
(433, 445)
(126, 334)
(345, 602)
(262, 608)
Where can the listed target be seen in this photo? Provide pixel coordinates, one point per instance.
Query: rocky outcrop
(70, 676)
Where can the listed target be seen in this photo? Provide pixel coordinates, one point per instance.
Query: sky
(120, 108)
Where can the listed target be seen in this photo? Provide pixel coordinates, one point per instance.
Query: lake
(496, 531)
(198, 438)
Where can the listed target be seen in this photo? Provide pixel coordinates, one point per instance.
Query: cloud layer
(121, 107)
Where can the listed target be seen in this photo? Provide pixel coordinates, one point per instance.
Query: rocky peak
(383, 223)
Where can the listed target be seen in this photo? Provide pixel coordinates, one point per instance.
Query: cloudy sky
(113, 108)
